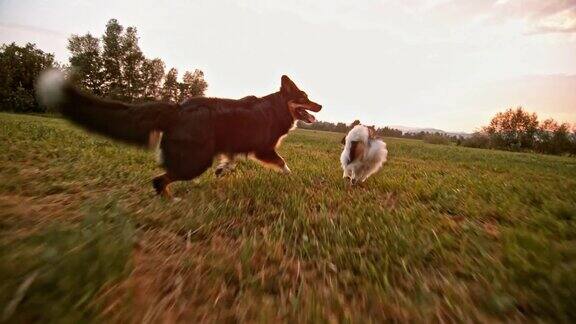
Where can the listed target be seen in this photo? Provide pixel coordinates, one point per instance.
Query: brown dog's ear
(343, 141)
(287, 86)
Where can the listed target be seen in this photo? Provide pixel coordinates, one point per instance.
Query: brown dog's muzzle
(313, 107)
(299, 110)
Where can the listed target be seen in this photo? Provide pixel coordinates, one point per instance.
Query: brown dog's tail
(137, 124)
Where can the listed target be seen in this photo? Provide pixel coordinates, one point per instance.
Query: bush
(553, 138)
(436, 138)
(513, 129)
(477, 140)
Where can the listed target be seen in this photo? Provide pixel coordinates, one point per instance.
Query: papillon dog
(363, 154)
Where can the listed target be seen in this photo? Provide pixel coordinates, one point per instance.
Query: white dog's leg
(347, 173)
(353, 171)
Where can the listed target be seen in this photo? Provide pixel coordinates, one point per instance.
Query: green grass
(442, 233)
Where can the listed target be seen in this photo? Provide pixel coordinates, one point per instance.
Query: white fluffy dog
(363, 154)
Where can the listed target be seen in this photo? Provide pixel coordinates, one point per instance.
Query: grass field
(442, 233)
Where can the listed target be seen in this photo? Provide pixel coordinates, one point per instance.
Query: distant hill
(406, 129)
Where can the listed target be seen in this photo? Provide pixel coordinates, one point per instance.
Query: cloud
(540, 17)
(560, 22)
(552, 30)
(12, 27)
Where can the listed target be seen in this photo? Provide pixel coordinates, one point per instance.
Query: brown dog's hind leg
(183, 160)
(160, 184)
(272, 158)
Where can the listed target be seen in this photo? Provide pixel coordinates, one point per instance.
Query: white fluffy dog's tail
(358, 133)
(376, 156)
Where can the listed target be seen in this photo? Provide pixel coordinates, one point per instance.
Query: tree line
(512, 130)
(345, 128)
(380, 131)
(111, 66)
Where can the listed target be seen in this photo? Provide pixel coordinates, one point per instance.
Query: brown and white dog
(363, 154)
(192, 133)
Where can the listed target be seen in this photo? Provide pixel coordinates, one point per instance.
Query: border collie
(189, 134)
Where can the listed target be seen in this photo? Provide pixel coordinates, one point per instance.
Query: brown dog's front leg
(272, 159)
(160, 184)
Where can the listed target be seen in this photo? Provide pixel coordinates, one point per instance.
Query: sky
(447, 64)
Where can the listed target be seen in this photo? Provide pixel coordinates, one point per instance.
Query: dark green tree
(514, 129)
(86, 61)
(19, 68)
(115, 67)
(553, 138)
(170, 91)
(132, 61)
(193, 85)
(112, 58)
(152, 74)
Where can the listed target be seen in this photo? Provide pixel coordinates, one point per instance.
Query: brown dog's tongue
(309, 118)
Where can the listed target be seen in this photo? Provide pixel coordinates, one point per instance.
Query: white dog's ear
(343, 141)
